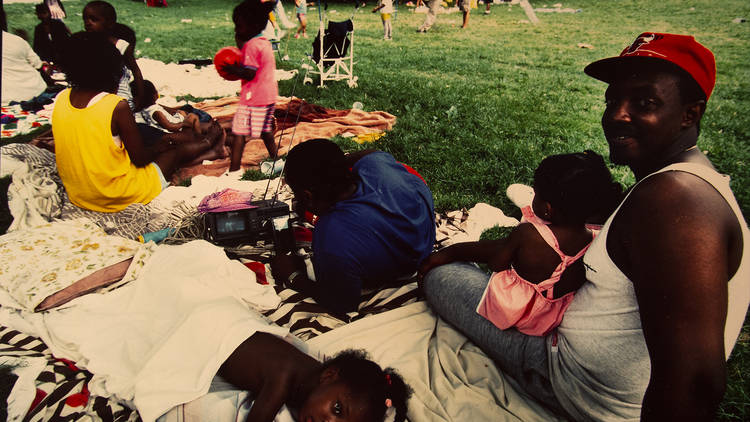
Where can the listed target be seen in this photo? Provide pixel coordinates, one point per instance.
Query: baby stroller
(333, 58)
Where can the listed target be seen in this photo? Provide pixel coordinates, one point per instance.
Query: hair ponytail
(397, 394)
(380, 389)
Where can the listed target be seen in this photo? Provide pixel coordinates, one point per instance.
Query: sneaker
(486, 12)
(296, 35)
(272, 167)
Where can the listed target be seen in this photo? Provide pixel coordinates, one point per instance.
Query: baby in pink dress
(537, 268)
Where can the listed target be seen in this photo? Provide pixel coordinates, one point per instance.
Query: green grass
(479, 108)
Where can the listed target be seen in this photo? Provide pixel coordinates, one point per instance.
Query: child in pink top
(254, 116)
(537, 268)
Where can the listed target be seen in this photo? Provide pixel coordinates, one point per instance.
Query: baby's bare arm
(165, 123)
(267, 366)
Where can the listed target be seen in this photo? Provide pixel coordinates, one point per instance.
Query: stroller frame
(335, 60)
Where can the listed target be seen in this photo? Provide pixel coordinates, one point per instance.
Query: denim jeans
(453, 291)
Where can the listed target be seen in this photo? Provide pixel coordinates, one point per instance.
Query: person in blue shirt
(376, 222)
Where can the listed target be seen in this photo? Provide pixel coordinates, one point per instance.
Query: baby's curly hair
(579, 186)
(378, 388)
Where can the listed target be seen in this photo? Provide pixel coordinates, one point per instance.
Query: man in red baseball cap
(668, 277)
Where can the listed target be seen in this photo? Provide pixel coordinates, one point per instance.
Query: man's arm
(671, 239)
(337, 290)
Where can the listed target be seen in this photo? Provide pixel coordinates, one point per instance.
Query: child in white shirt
(386, 9)
(166, 119)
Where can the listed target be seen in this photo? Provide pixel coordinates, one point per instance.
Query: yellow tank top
(97, 174)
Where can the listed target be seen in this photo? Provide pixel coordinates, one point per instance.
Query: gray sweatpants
(453, 291)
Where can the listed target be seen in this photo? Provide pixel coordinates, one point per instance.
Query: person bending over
(102, 160)
(376, 222)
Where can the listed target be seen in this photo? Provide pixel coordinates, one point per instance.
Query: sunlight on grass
(479, 108)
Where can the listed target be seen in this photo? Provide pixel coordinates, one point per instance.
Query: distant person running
(302, 17)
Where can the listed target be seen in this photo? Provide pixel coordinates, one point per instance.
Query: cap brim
(613, 68)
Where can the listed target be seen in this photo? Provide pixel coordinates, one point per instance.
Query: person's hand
(237, 69)
(47, 68)
(435, 259)
(282, 266)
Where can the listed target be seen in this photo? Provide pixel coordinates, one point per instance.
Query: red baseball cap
(680, 50)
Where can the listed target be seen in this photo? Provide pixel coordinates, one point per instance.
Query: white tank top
(600, 367)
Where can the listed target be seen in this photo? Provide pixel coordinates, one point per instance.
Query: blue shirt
(382, 232)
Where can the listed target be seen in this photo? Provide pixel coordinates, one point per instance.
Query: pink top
(262, 89)
(511, 301)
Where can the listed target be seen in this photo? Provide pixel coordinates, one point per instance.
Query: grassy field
(478, 108)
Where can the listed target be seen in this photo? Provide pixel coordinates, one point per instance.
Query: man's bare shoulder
(676, 194)
(665, 213)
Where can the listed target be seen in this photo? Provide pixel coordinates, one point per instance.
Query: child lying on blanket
(348, 387)
(537, 268)
(166, 119)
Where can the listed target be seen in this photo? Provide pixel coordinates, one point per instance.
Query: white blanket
(160, 340)
(453, 380)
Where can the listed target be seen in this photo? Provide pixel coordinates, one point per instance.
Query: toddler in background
(100, 16)
(386, 9)
(537, 268)
(166, 119)
(302, 17)
(348, 387)
(49, 35)
(254, 115)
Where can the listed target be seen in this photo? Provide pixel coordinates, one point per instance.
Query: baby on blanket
(159, 341)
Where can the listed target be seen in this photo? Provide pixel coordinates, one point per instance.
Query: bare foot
(216, 137)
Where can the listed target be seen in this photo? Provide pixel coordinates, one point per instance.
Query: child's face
(43, 15)
(94, 21)
(332, 401)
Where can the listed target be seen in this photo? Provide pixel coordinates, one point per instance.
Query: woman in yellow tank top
(102, 160)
